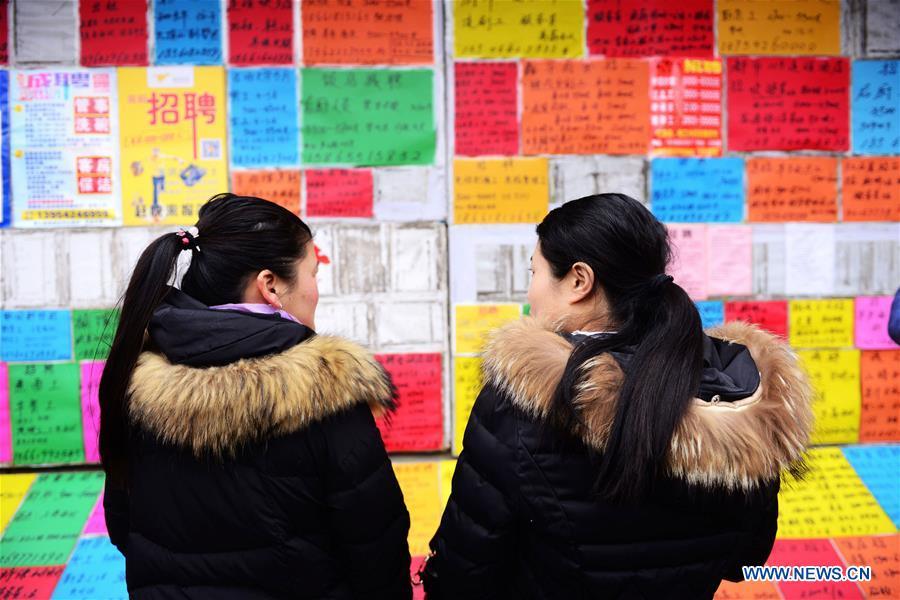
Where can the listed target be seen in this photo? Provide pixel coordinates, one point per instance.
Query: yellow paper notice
(831, 501)
(12, 490)
(475, 321)
(173, 142)
(466, 387)
(780, 27)
(511, 28)
(821, 323)
(446, 469)
(505, 190)
(419, 481)
(837, 407)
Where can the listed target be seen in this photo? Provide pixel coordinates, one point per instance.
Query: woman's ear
(265, 284)
(581, 282)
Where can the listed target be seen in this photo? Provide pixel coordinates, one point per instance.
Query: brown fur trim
(731, 445)
(215, 410)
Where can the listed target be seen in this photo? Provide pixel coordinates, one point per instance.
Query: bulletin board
(423, 140)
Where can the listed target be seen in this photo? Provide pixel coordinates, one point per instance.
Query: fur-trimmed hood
(733, 445)
(216, 410)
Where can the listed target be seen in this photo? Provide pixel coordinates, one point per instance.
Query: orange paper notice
(871, 188)
(880, 378)
(792, 189)
(278, 186)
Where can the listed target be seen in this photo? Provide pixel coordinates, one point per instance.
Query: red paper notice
(880, 377)
(339, 193)
(281, 186)
(771, 315)
(29, 582)
(636, 28)
(816, 552)
(113, 32)
(788, 104)
(870, 189)
(364, 32)
(686, 107)
(4, 32)
(260, 32)
(485, 113)
(585, 107)
(418, 423)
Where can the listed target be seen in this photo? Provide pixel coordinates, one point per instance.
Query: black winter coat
(256, 469)
(522, 521)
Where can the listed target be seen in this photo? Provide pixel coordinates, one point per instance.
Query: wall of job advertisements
(423, 140)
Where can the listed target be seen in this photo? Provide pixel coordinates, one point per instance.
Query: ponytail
(655, 319)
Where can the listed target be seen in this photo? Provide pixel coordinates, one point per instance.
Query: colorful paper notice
(747, 590)
(876, 119)
(882, 553)
(45, 528)
(281, 186)
(690, 190)
(788, 104)
(870, 189)
(446, 469)
(831, 501)
(173, 142)
(419, 482)
(45, 414)
(261, 32)
(835, 377)
(474, 322)
(4, 32)
(792, 189)
(690, 262)
(639, 28)
(712, 313)
(878, 467)
(263, 117)
(813, 552)
(29, 582)
(113, 33)
(418, 424)
(872, 314)
(771, 315)
(35, 335)
(880, 375)
(513, 190)
(686, 107)
(339, 193)
(542, 29)
(585, 107)
(360, 32)
(777, 27)
(187, 32)
(730, 260)
(96, 570)
(5, 430)
(486, 101)
(93, 332)
(5, 181)
(368, 117)
(96, 523)
(64, 135)
(91, 371)
(13, 488)
(821, 323)
(466, 387)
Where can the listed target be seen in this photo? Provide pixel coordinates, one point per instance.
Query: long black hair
(628, 250)
(238, 236)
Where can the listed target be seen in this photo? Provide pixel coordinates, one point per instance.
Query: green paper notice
(45, 528)
(93, 331)
(45, 414)
(368, 117)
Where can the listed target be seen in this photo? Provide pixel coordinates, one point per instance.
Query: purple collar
(261, 309)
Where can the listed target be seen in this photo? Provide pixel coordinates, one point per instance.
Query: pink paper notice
(90, 408)
(690, 262)
(96, 523)
(730, 260)
(5, 431)
(872, 313)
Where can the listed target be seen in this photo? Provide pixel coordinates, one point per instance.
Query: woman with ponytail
(240, 448)
(616, 450)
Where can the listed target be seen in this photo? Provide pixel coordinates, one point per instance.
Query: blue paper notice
(35, 335)
(712, 312)
(265, 130)
(876, 107)
(878, 467)
(188, 32)
(697, 190)
(5, 192)
(96, 570)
